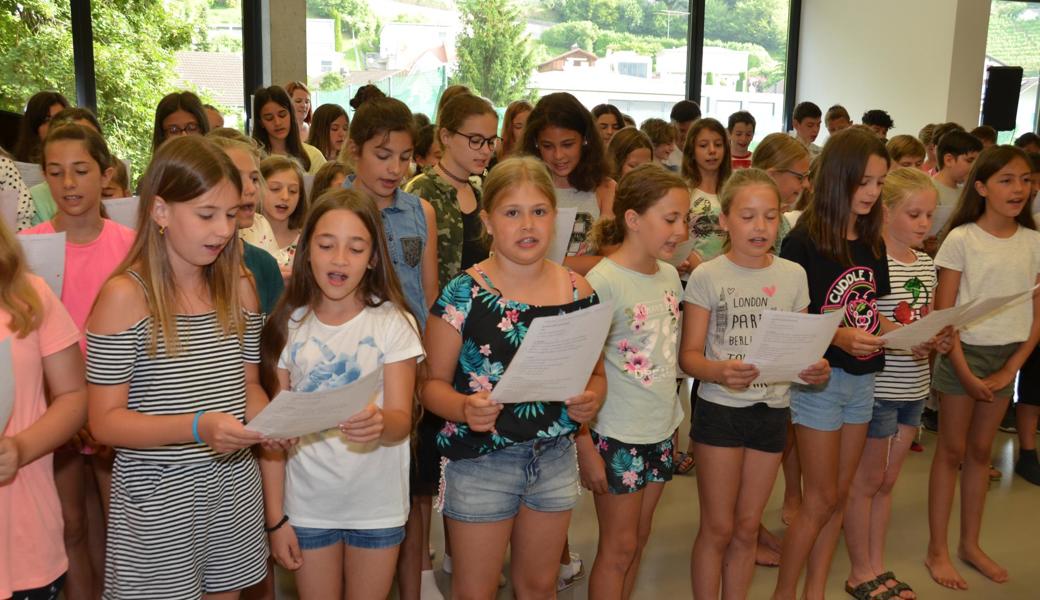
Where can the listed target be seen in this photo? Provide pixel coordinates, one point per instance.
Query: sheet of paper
(785, 343)
(308, 185)
(923, 329)
(565, 217)
(556, 358)
(45, 253)
(681, 252)
(32, 173)
(123, 210)
(9, 208)
(940, 217)
(292, 414)
(982, 308)
(6, 383)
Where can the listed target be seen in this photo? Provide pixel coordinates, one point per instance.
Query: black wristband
(278, 525)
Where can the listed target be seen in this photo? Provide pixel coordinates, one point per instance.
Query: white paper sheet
(565, 217)
(123, 210)
(556, 358)
(940, 217)
(786, 343)
(45, 253)
(983, 308)
(6, 383)
(9, 208)
(292, 414)
(32, 173)
(682, 251)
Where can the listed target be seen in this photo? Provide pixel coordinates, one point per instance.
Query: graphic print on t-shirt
(736, 318)
(579, 245)
(855, 292)
(908, 312)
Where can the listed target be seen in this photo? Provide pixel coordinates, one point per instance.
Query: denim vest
(405, 227)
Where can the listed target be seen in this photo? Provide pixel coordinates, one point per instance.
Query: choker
(451, 175)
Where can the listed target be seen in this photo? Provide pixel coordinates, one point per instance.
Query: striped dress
(184, 520)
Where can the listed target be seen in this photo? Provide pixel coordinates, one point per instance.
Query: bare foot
(944, 573)
(982, 563)
(766, 556)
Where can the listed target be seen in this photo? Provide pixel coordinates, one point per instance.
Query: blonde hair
(743, 178)
(225, 138)
(183, 169)
(17, 295)
(642, 188)
(904, 145)
(778, 151)
(512, 172)
(902, 183)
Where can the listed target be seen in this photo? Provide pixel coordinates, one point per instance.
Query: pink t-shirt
(32, 547)
(87, 267)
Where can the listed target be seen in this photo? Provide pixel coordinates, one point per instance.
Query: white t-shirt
(913, 285)
(736, 297)
(948, 196)
(642, 406)
(331, 483)
(992, 266)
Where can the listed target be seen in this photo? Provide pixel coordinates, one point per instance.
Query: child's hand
(8, 459)
(284, 445)
(736, 374)
(857, 342)
(817, 373)
(224, 433)
(924, 349)
(366, 426)
(998, 380)
(943, 341)
(592, 469)
(977, 388)
(481, 413)
(583, 407)
(285, 548)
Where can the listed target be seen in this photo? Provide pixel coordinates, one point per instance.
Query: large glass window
(1014, 28)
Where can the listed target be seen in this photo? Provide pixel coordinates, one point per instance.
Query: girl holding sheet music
(77, 165)
(991, 245)
(625, 455)
(337, 503)
(739, 427)
(511, 475)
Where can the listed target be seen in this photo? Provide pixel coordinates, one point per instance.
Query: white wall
(921, 60)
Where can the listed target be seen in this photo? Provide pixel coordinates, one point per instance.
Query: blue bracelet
(195, 427)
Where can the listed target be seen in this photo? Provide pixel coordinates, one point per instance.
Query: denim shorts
(541, 473)
(756, 427)
(630, 467)
(843, 399)
(370, 539)
(890, 414)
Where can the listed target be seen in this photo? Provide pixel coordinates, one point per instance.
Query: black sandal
(897, 589)
(864, 591)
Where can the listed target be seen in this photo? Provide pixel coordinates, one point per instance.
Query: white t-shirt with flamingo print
(642, 406)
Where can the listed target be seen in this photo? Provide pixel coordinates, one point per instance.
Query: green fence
(420, 91)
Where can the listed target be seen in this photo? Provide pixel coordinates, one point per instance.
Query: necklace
(451, 175)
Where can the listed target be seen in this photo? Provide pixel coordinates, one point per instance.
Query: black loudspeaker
(1000, 102)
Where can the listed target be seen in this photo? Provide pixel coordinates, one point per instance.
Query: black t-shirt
(854, 289)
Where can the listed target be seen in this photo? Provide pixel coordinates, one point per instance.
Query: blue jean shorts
(311, 538)
(844, 399)
(542, 474)
(890, 414)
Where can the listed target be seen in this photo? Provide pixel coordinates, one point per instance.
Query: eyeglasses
(178, 129)
(477, 141)
(799, 176)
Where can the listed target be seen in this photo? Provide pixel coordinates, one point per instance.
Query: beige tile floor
(1011, 534)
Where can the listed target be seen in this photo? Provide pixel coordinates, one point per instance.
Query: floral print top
(492, 328)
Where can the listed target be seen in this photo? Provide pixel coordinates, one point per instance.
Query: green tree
(756, 21)
(564, 35)
(494, 56)
(355, 16)
(134, 43)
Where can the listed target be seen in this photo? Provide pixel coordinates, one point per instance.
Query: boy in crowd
(837, 118)
(1030, 142)
(956, 152)
(741, 128)
(986, 134)
(683, 114)
(879, 122)
(806, 119)
(662, 135)
(906, 151)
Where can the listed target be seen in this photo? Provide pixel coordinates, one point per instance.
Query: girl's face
(338, 134)
(283, 194)
(708, 150)
(250, 184)
(663, 151)
(340, 253)
(521, 224)
(639, 156)
(301, 102)
(752, 221)
(560, 149)
(381, 162)
(1007, 192)
(792, 182)
(198, 230)
(911, 161)
(46, 125)
(274, 118)
(434, 156)
(663, 226)
(180, 122)
(869, 189)
(519, 122)
(741, 136)
(337, 181)
(908, 221)
(608, 125)
(74, 177)
(459, 151)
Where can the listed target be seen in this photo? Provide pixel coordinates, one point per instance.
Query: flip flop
(685, 464)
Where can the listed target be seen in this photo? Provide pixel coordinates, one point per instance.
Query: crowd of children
(324, 248)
